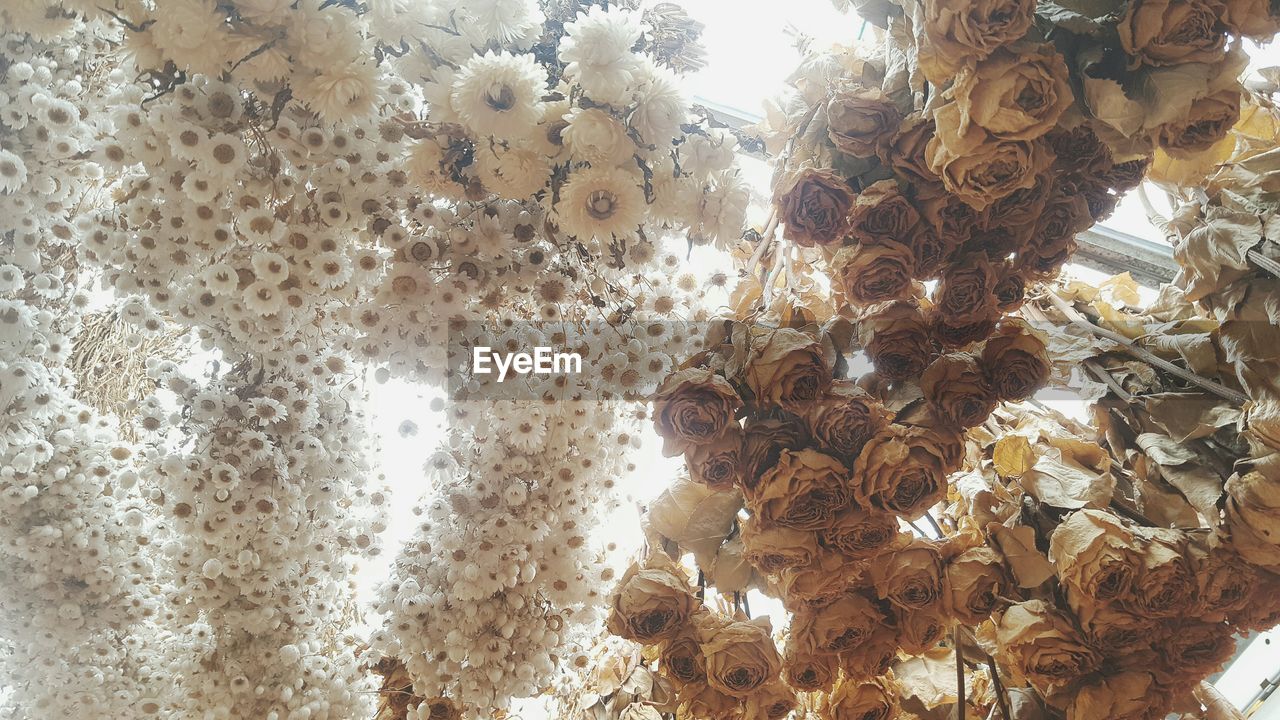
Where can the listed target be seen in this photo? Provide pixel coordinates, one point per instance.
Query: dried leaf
(930, 678)
(1018, 545)
(1187, 416)
(1067, 485)
(1013, 456)
(730, 571)
(696, 517)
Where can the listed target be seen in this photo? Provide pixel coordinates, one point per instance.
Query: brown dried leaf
(1018, 545)
(930, 678)
(1062, 483)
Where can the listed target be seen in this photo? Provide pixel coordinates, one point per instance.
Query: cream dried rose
(1094, 555)
(681, 660)
(741, 657)
(859, 118)
(786, 368)
(813, 205)
(808, 671)
(1251, 18)
(956, 388)
(1016, 93)
(1044, 646)
(1172, 32)
(863, 534)
(976, 580)
(693, 406)
(652, 602)
(1015, 360)
(845, 418)
(853, 699)
(979, 168)
(763, 442)
(1124, 695)
(839, 627)
(774, 549)
(804, 491)
(1112, 630)
(829, 576)
(902, 471)
(912, 577)
(1208, 120)
(919, 630)
(774, 701)
(951, 34)
(873, 657)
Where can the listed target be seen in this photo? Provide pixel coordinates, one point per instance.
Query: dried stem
(955, 639)
(1001, 699)
(1264, 262)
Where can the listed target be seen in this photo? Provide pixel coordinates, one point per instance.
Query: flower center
(601, 204)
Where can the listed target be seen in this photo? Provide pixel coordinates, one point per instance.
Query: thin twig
(1001, 699)
(936, 527)
(955, 639)
(1142, 353)
(1264, 262)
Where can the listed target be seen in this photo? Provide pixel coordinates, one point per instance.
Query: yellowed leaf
(1067, 485)
(1013, 456)
(1018, 545)
(930, 678)
(696, 517)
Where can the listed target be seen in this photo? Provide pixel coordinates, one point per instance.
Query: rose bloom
(763, 442)
(957, 390)
(819, 583)
(863, 534)
(741, 657)
(808, 671)
(841, 626)
(1112, 630)
(1261, 611)
(1172, 32)
(881, 213)
(981, 169)
(772, 550)
(814, 204)
(904, 151)
(1195, 649)
(874, 699)
(924, 426)
(910, 578)
(1094, 554)
(953, 222)
(442, 708)
(953, 335)
(1251, 18)
(1053, 235)
(1208, 121)
(1015, 94)
(845, 418)
(1011, 288)
(868, 274)
(976, 580)
(1253, 516)
(873, 657)
(903, 471)
(1018, 210)
(803, 491)
(1015, 360)
(859, 118)
(693, 406)
(1126, 175)
(1124, 695)
(1163, 585)
(1224, 581)
(896, 339)
(955, 33)
(681, 660)
(774, 701)
(717, 464)
(920, 630)
(966, 291)
(1043, 644)
(708, 703)
(786, 368)
(1078, 151)
(652, 602)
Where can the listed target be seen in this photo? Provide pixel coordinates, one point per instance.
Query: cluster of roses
(828, 471)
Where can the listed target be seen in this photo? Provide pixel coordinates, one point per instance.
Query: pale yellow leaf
(1013, 456)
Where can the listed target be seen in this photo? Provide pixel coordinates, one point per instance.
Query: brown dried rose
(786, 368)
(652, 602)
(692, 407)
(881, 213)
(681, 660)
(1015, 93)
(902, 470)
(953, 335)
(1126, 175)
(904, 151)
(1262, 611)
(956, 388)
(911, 577)
(813, 205)
(859, 118)
(1225, 582)
(820, 582)
(1094, 554)
(873, 657)
(1124, 695)
(1044, 646)
(839, 627)
(774, 701)
(863, 534)
(845, 418)
(1078, 151)
(1196, 649)
(1018, 210)
(976, 580)
(966, 292)
(1163, 585)
(1113, 630)
(920, 630)
(981, 169)
(764, 440)
(1253, 517)
(804, 491)
(772, 550)
(1011, 289)
(808, 671)
(869, 274)
(741, 657)
(875, 699)
(1172, 32)
(924, 426)
(1208, 121)
(717, 464)
(1015, 361)
(1053, 236)
(896, 339)
(956, 33)
(953, 222)
(1251, 18)
(707, 703)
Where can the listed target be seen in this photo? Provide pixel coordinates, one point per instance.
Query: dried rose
(1163, 585)
(1015, 93)
(763, 443)
(981, 169)
(845, 418)
(786, 368)
(774, 701)
(902, 471)
(772, 550)
(841, 626)
(1043, 644)
(859, 118)
(1112, 630)
(955, 34)
(814, 204)
(693, 406)
(863, 534)
(1094, 554)
(717, 464)
(442, 708)
(881, 213)
(911, 577)
(1053, 236)
(1018, 210)
(681, 660)
(1124, 695)
(869, 274)
(1253, 517)
(820, 582)
(804, 491)
(976, 580)
(921, 629)
(1208, 121)
(1224, 582)
(652, 602)
(966, 292)
(1195, 648)
(707, 703)
(1015, 361)
(896, 339)
(808, 671)
(1126, 175)
(924, 426)
(1251, 18)
(904, 151)
(873, 657)
(1172, 32)
(741, 657)
(1011, 288)
(1262, 611)
(955, 335)
(957, 390)
(953, 222)
(875, 699)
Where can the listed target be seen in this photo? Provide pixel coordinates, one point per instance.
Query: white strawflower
(499, 94)
(704, 154)
(601, 202)
(185, 25)
(514, 172)
(660, 106)
(342, 93)
(427, 169)
(263, 10)
(597, 137)
(507, 22)
(722, 210)
(597, 51)
(13, 172)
